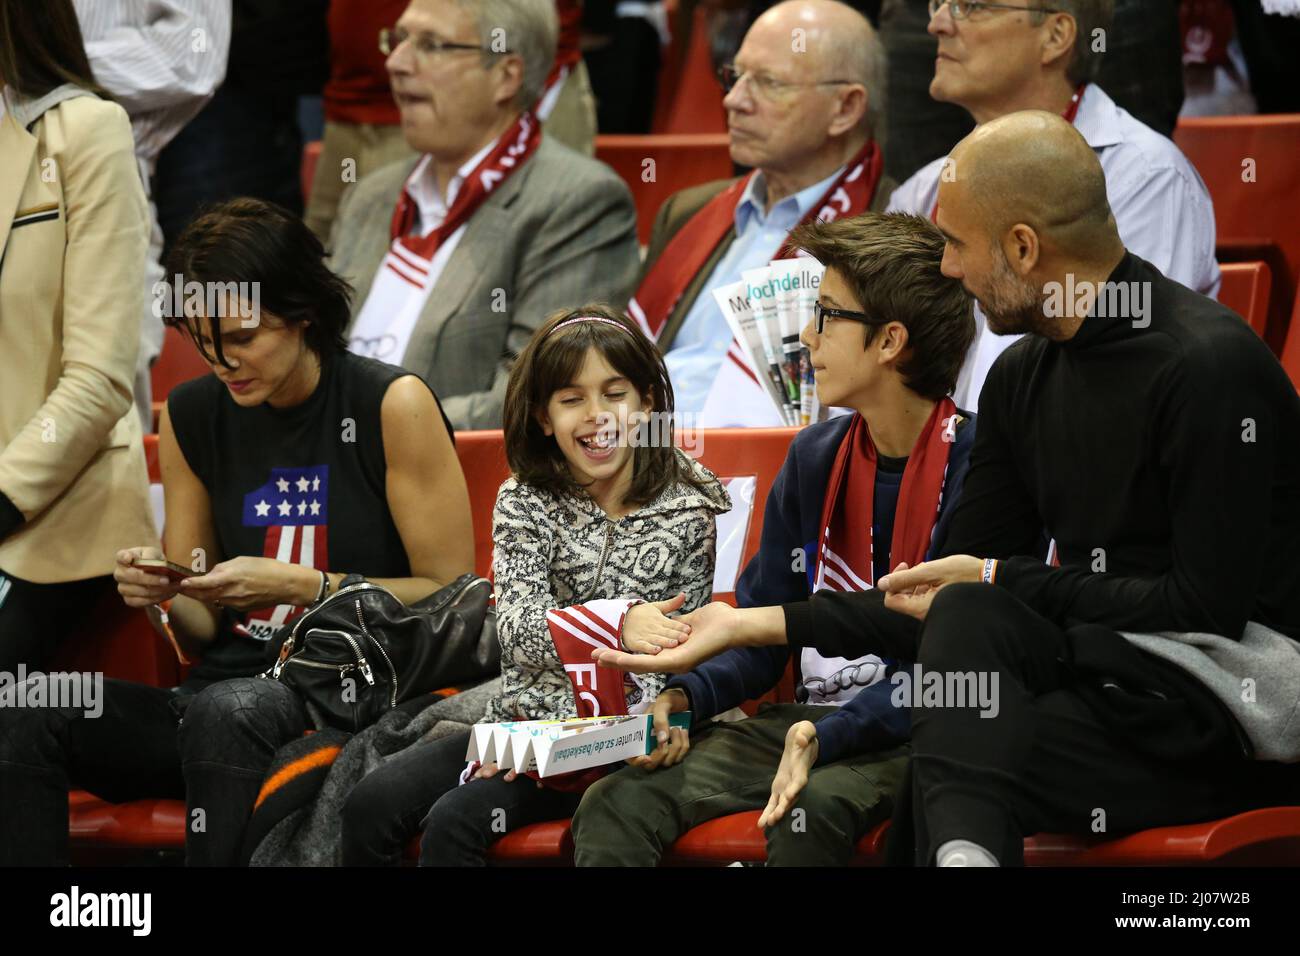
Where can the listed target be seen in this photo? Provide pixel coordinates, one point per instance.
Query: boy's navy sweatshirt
(782, 572)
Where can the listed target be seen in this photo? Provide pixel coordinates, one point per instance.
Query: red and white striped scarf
(687, 252)
(845, 550)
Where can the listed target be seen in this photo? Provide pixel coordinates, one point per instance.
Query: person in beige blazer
(73, 236)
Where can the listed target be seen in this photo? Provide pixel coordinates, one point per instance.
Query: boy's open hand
(710, 630)
(797, 761)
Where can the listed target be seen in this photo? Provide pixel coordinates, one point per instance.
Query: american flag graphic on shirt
(291, 506)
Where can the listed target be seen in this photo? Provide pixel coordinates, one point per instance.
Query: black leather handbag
(361, 652)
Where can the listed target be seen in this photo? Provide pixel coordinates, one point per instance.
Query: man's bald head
(1023, 206)
(1035, 168)
(827, 40)
(811, 43)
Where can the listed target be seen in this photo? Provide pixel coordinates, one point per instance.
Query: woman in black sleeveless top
(293, 465)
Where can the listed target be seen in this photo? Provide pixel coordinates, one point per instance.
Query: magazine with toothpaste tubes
(550, 747)
(734, 302)
(762, 299)
(795, 283)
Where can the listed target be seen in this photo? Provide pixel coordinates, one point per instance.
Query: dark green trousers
(632, 816)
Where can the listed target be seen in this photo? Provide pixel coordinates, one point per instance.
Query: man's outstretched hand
(910, 591)
(711, 626)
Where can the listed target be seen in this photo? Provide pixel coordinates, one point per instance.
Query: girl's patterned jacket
(552, 553)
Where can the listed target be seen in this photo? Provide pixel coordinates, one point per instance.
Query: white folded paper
(549, 747)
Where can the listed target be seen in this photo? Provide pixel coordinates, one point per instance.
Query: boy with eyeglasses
(857, 496)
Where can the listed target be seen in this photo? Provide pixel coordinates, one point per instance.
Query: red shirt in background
(358, 90)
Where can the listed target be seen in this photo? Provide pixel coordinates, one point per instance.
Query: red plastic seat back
(736, 452)
(690, 100)
(1291, 353)
(1251, 165)
(1246, 290)
(307, 171)
(179, 362)
(482, 457)
(655, 167)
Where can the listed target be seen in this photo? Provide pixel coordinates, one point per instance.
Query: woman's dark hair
(551, 361)
(41, 48)
(247, 243)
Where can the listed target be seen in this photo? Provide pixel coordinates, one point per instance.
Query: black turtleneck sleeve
(1163, 457)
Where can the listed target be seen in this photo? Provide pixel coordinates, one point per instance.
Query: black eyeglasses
(426, 44)
(961, 9)
(821, 313)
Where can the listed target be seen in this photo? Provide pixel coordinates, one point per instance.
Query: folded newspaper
(549, 747)
(766, 311)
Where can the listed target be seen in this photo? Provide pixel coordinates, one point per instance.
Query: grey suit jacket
(676, 211)
(559, 233)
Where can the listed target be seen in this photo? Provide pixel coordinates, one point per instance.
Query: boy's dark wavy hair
(550, 362)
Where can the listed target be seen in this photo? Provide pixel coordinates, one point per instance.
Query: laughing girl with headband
(602, 531)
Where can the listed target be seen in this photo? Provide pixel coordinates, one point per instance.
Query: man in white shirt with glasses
(1000, 58)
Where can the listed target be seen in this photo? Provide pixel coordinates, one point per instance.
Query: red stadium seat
(544, 844)
(139, 824)
(655, 167)
(737, 838)
(123, 644)
(690, 99)
(1245, 290)
(1259, 837)
(1251, 165)
(307, 173)
(1291, 352)
(482, 457)
(179, 362)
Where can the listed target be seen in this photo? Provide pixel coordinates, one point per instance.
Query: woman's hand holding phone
(143, 586)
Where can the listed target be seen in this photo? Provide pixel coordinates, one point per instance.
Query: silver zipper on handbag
(361, 621)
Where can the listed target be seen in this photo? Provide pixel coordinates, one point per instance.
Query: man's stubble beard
(1013, 307)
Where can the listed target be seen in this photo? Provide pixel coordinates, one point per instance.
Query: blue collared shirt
(704, 337)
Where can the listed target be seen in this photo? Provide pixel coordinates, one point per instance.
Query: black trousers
(208, 743)
(127, 752)
(35, 618)
(228, 738)
(1051, 759)
(417, 790)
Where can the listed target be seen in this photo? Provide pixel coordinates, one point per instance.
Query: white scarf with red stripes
(597, 625)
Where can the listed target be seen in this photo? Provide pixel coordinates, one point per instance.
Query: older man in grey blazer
(457, 257)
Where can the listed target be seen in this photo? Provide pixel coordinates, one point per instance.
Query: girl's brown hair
(551, 361)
